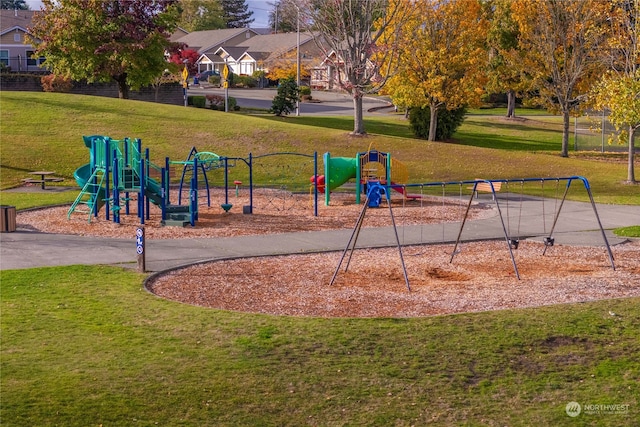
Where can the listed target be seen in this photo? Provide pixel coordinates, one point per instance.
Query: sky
(260, 10)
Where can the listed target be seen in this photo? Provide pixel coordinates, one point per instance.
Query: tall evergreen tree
(236, 13)
(14, 4)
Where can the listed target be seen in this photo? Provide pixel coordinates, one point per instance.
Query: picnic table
(44, 177)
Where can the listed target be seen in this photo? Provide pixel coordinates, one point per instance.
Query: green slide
(339, 170)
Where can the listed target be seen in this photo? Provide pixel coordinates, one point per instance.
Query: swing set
(376, 190)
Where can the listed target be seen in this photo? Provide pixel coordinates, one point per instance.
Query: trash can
(7, 218)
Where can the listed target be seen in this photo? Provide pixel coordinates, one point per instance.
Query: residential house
(330, 72)
(210, 40)
(177, 34)
(325, 76)
(260, 52)
(15, 53)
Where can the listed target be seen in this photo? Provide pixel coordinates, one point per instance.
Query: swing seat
(485, 187)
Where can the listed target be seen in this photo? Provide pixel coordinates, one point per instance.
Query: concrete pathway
(577, 225)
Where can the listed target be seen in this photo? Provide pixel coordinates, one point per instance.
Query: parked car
(204, 76)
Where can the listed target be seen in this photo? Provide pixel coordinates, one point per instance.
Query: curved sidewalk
(577, 225)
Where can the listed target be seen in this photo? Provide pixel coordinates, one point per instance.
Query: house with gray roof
(259, 53)
(210, 40)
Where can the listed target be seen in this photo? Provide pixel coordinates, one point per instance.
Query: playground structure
(376, 191)
(365, 167)
(118, 168)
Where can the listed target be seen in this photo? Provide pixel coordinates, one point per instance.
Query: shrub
(199, 101)
(246, 81)
(56, 83)
(233, 104)
(448, 122)
(216, 102)
(305, 91)
(285, 100)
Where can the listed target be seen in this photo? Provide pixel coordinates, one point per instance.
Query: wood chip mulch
(480, 278)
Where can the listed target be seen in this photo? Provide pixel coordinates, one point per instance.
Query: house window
(4, 57)
(30, 58)
(16, 37)
(248, 34)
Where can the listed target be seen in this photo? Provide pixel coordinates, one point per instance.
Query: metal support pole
(315, 187)
(251, 182)
(356, 232)
(356, 229)
(226, 180)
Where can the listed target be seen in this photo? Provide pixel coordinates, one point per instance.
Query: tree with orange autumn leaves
(285, 66)
(442, 59)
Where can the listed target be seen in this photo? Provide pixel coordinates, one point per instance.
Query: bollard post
(140, 250)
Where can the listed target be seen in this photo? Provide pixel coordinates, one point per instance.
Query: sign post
(140, 250)
(225, 75)
(185, 83)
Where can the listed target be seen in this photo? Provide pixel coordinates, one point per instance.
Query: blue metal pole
(167, 181)
(250, 183)
(194, 189)
(107, 178)
(226, 181)
(116, 192)
(315, 180)
(141, 172)
(146, 199)
(163, 202)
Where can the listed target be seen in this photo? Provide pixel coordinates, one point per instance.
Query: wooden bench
(485, 187)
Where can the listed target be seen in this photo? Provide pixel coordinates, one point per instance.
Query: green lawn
(44, 130)
(88, 346)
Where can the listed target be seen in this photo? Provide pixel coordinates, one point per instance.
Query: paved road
(577, 225)
(329, 103)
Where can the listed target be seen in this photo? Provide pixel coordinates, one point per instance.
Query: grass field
(42, 131)
(88, 346)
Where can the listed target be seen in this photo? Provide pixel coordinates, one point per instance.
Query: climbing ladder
(91, 195)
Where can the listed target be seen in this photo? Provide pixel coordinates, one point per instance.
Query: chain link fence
(594, 132)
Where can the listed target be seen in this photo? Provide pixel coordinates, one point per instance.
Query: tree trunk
(511, 104)
(565, 133)
(631, 177)
(433, 122)
(358, 120)
(123, 88)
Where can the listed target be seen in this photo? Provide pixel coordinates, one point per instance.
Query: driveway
(325, 103)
